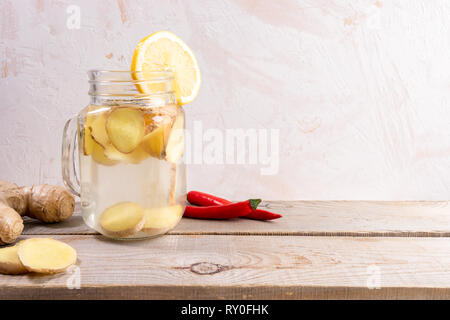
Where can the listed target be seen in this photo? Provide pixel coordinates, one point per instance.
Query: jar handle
(68, 151)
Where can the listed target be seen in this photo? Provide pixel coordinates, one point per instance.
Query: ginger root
(11, 224)
(43, 202)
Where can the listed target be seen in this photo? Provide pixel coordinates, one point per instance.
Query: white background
(360, 90)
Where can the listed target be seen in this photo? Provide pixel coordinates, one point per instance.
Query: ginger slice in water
(154, 142)
(98, 155)
(95, 137)
(158, 125)
(45, 255)
(88, 141)
(9, 261)
(175, 143)
(125, 127)
(159, 220)
(135, 157)
(88, 144)
(122, 219)
(109, 154)
(98, 130)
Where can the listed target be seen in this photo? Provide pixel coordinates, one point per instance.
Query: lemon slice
(163, 50)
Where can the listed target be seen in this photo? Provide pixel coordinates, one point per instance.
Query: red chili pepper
(226, 211)
(204, 199)
(259, 214)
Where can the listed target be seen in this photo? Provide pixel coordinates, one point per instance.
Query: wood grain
(308, 218)
(246, 267)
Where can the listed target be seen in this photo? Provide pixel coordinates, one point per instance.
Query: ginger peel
(43, 202)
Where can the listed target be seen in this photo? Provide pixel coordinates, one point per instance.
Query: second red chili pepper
(204, 199)
(227, 211)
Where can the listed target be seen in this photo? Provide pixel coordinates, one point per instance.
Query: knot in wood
(207, 268)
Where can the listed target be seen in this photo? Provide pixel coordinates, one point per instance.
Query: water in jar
(132, 176)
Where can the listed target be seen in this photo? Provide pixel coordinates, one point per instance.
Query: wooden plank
(308, 218)
(246, 267)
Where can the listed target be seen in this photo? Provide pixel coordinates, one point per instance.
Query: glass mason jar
(130, 142)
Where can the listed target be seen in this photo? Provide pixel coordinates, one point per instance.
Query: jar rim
(105, 75)
(113, 85)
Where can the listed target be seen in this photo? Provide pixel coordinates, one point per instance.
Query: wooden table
(318, 250)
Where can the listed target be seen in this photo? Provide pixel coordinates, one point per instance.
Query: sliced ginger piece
(148, 122)
(111, 155)
(98, 130)
(157, 116)
(88, 141)
(125, 127)
(122, 219)
(154, 142)
(175, 143)
(45, 255)
(158, 125)
(135, 157)
(92, 113)
(10, 262)
(98, 155)
(160, 220)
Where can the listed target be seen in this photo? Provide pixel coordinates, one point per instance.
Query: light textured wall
(359, 89)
